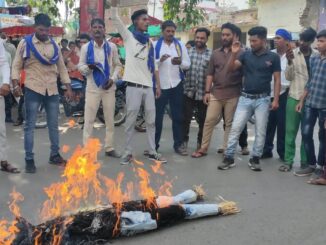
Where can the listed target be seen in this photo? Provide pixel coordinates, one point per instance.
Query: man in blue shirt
(314, 103)
(259, 65)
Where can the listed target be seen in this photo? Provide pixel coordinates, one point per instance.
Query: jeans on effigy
(188, 196)
(136, 222)
(195, 211)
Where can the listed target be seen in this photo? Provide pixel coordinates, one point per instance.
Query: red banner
(90, 9)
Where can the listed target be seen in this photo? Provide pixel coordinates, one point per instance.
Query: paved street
(276, 208)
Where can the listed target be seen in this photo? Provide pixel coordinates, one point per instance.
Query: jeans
(173, 96)
(245, 110)
(33, 101)
(309, 120)
(189, 106)
(276, 121)
(243, 140)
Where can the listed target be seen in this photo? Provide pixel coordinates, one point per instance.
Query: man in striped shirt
(314, 103)
(194, 86)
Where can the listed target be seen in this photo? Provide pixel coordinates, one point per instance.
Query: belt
(136, 85)
(254, 96)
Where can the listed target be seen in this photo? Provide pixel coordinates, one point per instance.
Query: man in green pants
(297, 72)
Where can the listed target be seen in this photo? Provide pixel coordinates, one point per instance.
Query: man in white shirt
(172, 58)
(99, 62)
(140, 71)
(276, 118)
(4, 90)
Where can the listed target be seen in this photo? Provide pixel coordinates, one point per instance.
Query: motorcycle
(75, 107)
(120, 112)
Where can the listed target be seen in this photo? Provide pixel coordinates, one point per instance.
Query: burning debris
(69, 220)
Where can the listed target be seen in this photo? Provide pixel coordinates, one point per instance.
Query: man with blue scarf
(99, 62)
(40, 57)
(172, 58)
(141, 75)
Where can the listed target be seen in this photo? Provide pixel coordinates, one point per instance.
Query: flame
(82, 186)
(65, 148)
(8, 230)
(71, 123)
(145, 191)
(80, 183)
(157, 168)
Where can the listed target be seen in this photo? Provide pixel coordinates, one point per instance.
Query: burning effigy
(74, 212)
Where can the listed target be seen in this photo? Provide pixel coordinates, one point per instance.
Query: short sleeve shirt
(258, 71)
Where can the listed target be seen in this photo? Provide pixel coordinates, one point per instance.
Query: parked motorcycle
(75, 107)
(120, 112)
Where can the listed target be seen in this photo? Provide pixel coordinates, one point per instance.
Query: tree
(252, 3)
(184, 13)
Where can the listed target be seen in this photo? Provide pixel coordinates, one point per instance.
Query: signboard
(7, 20)
(90, 9)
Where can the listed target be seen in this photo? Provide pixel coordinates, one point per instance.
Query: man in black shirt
(259, 66)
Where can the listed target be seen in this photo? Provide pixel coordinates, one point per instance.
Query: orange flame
(8, 230)
(83, 186)
(157, 168)
(80, 183)
(145, 190)
(71, 123)
(65, 148)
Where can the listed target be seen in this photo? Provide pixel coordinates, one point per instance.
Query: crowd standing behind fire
(282, 90)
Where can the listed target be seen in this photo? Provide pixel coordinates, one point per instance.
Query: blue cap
(284, 33)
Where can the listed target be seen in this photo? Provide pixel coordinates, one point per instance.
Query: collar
(265, 51)
(96, 45)
(313, 51)
(195, 50)
(169, 45)
(36, 40)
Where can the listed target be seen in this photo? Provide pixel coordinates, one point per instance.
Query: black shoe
(18, 123)
(254, 164)
(181, 151)
(267, 155)
(30, 167)
(226, 164)
(57, 160)
(113, 153)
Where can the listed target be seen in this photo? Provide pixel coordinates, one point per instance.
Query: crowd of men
(278, 89)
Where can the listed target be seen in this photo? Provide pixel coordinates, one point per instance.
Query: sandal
(285, 168)
(6, 167)
(198, 154)
(318, 181)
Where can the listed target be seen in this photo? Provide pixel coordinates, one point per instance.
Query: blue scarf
(100, 74)
(178, 48)
(30, 47)
(143, 38)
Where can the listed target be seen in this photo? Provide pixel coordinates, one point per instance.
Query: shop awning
(26, 30)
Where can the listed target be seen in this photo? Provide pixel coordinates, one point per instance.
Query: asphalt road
(276, 208)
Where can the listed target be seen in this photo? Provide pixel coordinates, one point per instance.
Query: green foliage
(185, 14)
(252, 3)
